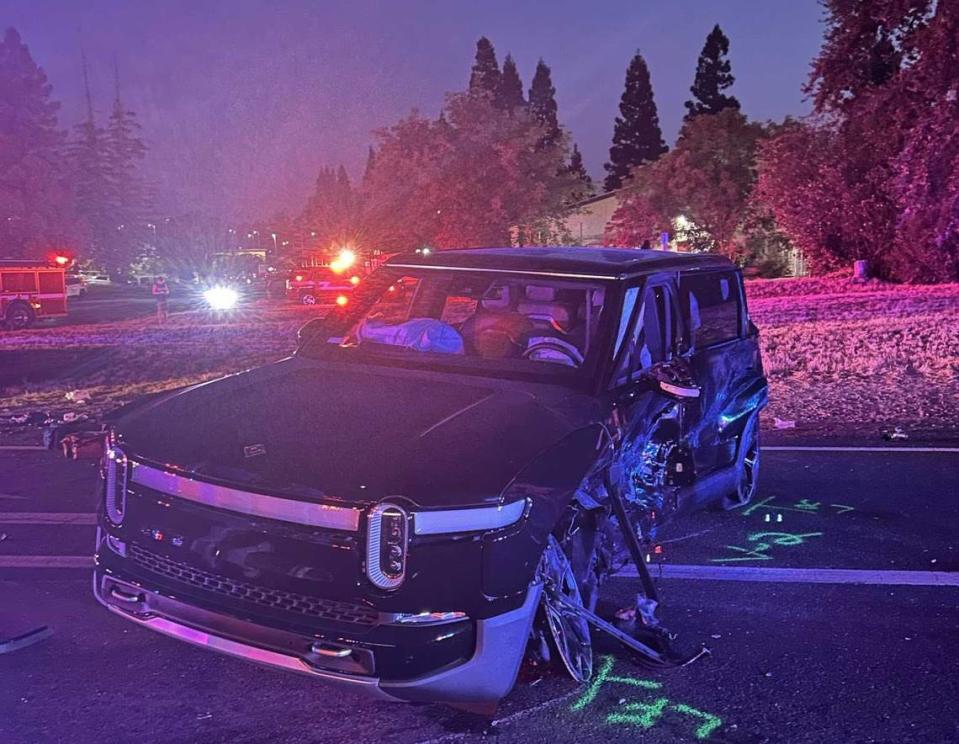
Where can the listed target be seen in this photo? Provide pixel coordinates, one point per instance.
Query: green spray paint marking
(760, 551)
(649, 717)
(602, 676)
(711, 722)
(642, 714)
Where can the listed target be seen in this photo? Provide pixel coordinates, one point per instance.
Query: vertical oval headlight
(115, 468)
(386, 545)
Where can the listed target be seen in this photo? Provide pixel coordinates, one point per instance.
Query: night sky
(242, 101)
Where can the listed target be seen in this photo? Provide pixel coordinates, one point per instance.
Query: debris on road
(896, 434)
(779, 423)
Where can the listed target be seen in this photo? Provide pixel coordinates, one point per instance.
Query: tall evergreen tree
(542, 105)
(124, 152)
(510, 94)
(485, 75)
(370, 164)
(35, 197)
(637, 138)
(583, 185)
(94, 189)
(713, 76)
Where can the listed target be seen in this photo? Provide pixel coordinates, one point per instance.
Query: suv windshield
(475, 320)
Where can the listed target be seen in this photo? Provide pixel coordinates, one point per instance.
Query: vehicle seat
(540, 304)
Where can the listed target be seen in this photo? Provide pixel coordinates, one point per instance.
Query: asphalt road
(798, 653)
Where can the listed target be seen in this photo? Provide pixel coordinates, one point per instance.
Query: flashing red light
(354, 280)
(62, 260)
(298, 277)
(341, 300)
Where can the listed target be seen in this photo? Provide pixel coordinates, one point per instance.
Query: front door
(648, 423)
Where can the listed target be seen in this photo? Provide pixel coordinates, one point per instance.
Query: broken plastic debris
(779, 423)
(78, 396)
(895, 435)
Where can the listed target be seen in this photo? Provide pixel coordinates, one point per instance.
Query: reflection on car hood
(356, 433)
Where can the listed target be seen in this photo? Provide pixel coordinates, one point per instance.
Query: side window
(711, 306)
(650, 339)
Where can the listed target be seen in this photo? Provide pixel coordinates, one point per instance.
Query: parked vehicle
(76, 286)
(98, 279)
(321, 285)
(487, 410)
(30, 290)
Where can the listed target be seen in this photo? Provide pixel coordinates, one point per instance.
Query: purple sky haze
(242, 101)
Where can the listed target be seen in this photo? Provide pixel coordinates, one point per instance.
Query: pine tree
(124, 152)
(510, 95)
(542, 105)
(370, 164)
(95, 194)
(35, 196)
(485, 75)
(713, 76)
(637, 138)
(583, 188)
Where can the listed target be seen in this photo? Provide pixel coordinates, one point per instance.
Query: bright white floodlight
(221, 298)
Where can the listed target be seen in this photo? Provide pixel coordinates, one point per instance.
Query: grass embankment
(842, 358)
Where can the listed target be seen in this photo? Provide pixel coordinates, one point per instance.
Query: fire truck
(31, 289)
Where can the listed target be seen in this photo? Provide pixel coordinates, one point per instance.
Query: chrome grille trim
(245, 502)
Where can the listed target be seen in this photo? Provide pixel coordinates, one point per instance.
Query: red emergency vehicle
(30, 290)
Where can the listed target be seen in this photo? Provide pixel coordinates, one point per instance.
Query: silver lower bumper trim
(487, 676)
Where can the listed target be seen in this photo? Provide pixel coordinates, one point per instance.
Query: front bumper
(486, 677)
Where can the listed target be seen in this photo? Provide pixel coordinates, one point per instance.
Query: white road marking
(48, 518)
(22, 447)
(858, 449)
(46, 561)
(800, 575)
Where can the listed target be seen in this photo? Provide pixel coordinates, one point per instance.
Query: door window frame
(670, 282)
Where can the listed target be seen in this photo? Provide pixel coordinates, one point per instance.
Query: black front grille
(327, 609)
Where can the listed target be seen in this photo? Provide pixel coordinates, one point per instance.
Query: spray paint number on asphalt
(762, 543)
(644, 714)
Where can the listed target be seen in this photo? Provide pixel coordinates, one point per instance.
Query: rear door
(725, 363)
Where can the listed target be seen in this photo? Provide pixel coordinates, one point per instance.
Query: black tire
(19, 316)
(747, 464)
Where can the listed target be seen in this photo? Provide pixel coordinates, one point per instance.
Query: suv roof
(600, 263)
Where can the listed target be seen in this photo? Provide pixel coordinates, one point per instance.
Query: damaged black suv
(474, 431)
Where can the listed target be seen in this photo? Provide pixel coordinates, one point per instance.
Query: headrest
(536, 293)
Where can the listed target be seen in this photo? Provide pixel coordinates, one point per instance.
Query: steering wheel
(572, 357)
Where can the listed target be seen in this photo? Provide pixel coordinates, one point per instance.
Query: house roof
(601, 263)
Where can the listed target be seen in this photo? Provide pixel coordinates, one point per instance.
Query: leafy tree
(35, 197)
(485, 75)
(705, 181)
(884, 143)
(426, 188)
(583, 184)
(542, 105)
(637, 138)
(510, 93)
(713, 76)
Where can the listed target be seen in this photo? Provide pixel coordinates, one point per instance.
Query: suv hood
(354, 433)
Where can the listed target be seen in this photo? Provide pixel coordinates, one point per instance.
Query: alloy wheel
(570, 631)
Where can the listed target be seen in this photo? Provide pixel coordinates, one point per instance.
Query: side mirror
(674, 378)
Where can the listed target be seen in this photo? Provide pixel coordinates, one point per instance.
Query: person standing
(161, 291)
